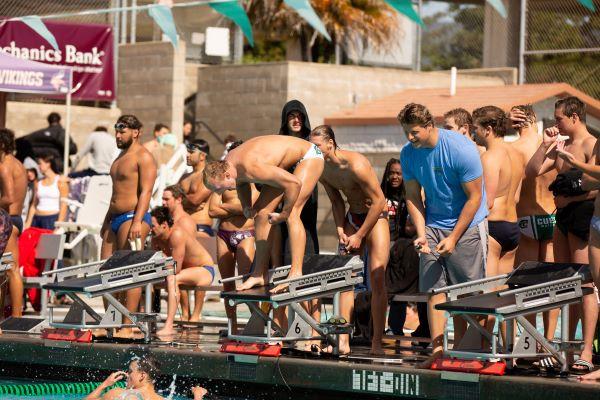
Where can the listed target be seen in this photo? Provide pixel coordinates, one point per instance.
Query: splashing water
(172, 388)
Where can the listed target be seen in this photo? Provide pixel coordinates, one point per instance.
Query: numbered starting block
(323, 276)
(533, 287)
(125, 269)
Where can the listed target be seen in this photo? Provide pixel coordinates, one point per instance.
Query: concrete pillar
(501, 36)
(152, 84)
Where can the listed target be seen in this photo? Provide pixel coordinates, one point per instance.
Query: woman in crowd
(46, 209)
(403, 268)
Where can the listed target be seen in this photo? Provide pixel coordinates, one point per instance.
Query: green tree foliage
(453, 39)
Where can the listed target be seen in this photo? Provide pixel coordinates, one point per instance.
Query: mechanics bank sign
(87, 48)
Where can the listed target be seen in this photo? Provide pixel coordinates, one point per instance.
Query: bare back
(125, 175)
(277, 150)
(534, 198)
(344, 178)
(17, 171)
(498, 178)
(186, 222)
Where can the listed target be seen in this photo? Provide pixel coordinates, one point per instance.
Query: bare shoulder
(113, 394)
(145, 157)
(358, 162)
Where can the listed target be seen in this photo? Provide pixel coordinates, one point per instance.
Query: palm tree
(352, 24)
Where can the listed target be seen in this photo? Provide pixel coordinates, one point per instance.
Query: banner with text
(87, 48)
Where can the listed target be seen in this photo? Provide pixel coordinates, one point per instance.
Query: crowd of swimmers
(470, 203)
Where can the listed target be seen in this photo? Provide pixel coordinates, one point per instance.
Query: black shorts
(575, 218)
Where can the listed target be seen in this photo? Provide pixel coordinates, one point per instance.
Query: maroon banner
(87, 48)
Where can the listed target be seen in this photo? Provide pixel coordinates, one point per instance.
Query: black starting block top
(111, 275)
(533, 272)
(529, 273)
(314, 264)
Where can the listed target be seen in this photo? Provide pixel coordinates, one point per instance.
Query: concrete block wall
(152, 84)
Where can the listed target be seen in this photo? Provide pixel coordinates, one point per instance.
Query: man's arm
(338, 208)
(415, 206)
(473, 191)
(279, 178)
(7, 184)
(146, 179)
(177, 245)
(542, 161)
(244, 193)
(367, 181)
(193, 199)
(491, 176)
(63, 189)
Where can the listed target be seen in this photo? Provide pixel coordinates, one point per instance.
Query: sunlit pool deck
(194, 356)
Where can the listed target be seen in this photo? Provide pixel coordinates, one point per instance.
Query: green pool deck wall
(344, 378)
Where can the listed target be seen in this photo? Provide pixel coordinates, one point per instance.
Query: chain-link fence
(561, 40)
(563, 44)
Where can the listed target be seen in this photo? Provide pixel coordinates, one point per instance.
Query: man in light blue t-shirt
(451, 221)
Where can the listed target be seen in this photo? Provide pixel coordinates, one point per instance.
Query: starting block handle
(469, 284)
(539, 286)
(166, 263)
(316, 274)
(73, 268)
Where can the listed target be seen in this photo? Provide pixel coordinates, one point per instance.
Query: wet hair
(235, 144)
(571, 105)
(49, 158)
(53, 118)
(131, 121)
(176, 190)
(202, 145)
(162, 215)
(527, 109)
(325, 132)
(493, 117)
(7, 141)
(160, 126)
(460, 115)
(415, 114)
(100, 128)
(149, 365)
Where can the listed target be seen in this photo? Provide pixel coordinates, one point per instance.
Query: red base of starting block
(255, 349)
(470, 366)
(70, 335)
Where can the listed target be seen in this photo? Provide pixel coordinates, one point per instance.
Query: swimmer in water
(140, 383)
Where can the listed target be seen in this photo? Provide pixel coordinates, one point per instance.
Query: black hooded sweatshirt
(309, 212)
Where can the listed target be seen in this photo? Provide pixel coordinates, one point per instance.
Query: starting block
(323, 276)
(125, 269)
(470, 366)
(533, 287)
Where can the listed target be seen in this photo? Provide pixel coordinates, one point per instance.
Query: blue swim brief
(119, 219)
(210, 269)
(205, 229)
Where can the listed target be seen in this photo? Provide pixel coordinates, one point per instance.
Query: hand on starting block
(421, 245)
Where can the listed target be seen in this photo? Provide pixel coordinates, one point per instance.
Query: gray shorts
(467, 262)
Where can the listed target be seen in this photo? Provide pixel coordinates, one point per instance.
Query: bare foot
(252, 282)
(127, 333)
(194, 319)
(166, 331)
(592, 376)
(429, 362)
